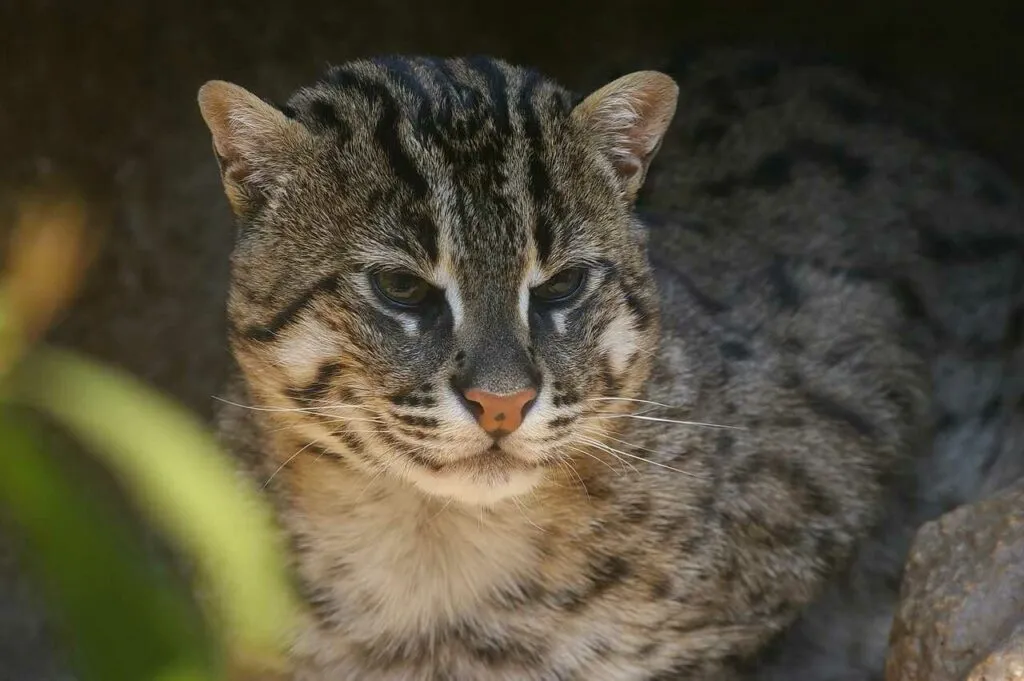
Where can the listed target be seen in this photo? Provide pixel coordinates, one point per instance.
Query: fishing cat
(532, 405)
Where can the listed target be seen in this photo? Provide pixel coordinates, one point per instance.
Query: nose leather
(500, 414)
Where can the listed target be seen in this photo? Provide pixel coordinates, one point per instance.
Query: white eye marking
(524, 304)
(533, 277)
(445, 281)
(619, 341)
(409, 325)
(558, 319)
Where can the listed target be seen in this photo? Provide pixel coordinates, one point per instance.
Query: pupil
(403, 286)
(400, 286)
(562, 284)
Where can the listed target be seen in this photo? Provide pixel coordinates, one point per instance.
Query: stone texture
(1005, 662)
(961, 613)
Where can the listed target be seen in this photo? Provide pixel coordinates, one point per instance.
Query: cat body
(532, 404)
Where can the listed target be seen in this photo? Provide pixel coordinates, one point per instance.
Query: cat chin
(476, 488)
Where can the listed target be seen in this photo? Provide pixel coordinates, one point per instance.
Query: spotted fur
(817, 293)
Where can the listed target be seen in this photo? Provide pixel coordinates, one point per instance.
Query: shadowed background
(101, 96)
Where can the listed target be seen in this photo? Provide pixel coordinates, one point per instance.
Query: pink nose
(500, 414)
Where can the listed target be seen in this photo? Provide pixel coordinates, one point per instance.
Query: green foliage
(126, 618)
(125, 621)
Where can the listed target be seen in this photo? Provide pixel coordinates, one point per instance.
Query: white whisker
(288, 461)
(662, 420)
(291, 428)
(369, 483)
(566, 464)
(630, 399)
(286, 409)
(347, 419)
(601, 434)
(597, 458)
(443, 509)
(609, 450)
(646, 460)
(522, 510)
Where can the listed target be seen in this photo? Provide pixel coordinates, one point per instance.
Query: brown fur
(790, 376)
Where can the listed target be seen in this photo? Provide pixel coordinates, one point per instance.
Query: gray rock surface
(961, 613)
(1005, 662)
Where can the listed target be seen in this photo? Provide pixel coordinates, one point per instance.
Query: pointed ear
(628, 117)
(250, 139)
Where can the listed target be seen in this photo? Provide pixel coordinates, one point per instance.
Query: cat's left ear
(628, 117)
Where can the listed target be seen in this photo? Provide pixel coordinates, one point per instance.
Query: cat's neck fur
(436, 557)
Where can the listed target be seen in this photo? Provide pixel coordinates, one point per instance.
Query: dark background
(101, 96)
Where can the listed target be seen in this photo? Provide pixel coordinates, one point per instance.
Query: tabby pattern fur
(795, 338)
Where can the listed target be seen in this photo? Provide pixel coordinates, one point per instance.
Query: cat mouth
(492, 460)
(479, 477)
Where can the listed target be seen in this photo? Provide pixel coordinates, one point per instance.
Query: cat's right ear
(251, 139)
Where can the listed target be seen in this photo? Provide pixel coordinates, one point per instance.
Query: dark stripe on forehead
(386, 132)
(442, 67)
(436, 94)
(426, 234)
(403, 73)
(539, 179)
(497, 88)
(267, 332)
(443, 77)
(323, 117)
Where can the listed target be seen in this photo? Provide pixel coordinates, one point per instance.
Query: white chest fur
(397, 564)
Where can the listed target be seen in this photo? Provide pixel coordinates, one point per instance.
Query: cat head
(438, 273)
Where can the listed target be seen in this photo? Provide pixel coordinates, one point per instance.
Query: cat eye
(562, 286)
(404, 289)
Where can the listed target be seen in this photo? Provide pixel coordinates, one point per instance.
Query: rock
(961, 611)
(1005, 662)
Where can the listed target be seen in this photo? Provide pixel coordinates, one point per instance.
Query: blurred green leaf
(126, 620)
(175, 471)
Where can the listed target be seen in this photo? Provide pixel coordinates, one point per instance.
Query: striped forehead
(486, 249)
(471, 149)
(465, 145)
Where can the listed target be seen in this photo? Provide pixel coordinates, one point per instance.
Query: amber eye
(562, 286)
(401, 288)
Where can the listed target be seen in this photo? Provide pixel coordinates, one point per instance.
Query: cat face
(438, 274)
